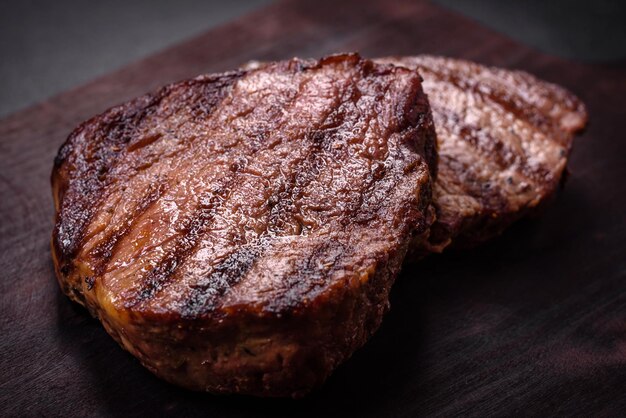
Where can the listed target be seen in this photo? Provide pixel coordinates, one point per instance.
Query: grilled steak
(239, 232)
(503, 139)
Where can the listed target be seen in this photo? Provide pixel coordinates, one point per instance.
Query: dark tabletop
(533, 323)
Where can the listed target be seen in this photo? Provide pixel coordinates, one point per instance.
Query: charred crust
(323, 271)
(83, 163)
(90, 282)
(472, 201)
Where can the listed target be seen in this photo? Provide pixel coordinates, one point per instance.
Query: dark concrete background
(49, 46)
(585, 30)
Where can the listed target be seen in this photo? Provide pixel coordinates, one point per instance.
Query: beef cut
(239, 232)
(503, 139)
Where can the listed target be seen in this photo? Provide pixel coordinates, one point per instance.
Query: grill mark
(155, 283)
(144, 141)
(92, 161)
(331, 251)
(224, 275)
(321, 139)
(228, 272)
(490, 198)
(80, 199)
(469, 73)
(318, 264)
(542, 111)
(302, 175)
(502, 98)
(484, 144)
(188, 239)
(214, 90)
(355, 212)
(321, 142)
(467, 76)
(236, 265)
(104, 251)
(482, 139)
(414, 114)
(559, 98)
(490, 195)
(205, 295)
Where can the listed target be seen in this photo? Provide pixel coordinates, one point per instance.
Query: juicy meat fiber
(239, 232)
(503, 140)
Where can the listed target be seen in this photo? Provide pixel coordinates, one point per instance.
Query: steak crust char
(503, 139)
(239, 232)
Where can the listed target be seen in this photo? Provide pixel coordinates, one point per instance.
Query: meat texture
(239, 232)
(503, 140)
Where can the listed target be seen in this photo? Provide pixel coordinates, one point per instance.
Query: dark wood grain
(533, 323)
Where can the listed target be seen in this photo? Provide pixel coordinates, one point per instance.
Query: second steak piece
(239, 232)
(503, 138)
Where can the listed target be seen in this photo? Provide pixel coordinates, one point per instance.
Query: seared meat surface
(503, 141)
(239, 232)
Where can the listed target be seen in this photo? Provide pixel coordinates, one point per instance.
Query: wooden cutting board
(532, 323)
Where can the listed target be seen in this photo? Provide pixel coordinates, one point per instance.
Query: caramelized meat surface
(503, 141)
(239, 232)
